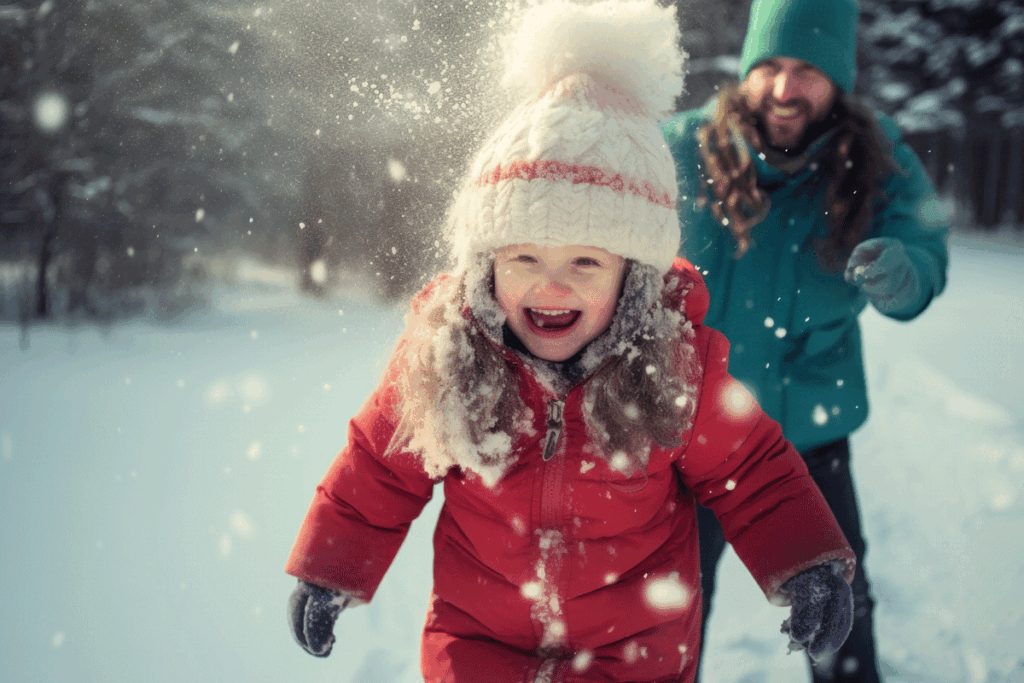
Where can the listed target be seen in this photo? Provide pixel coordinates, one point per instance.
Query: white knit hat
(581, 160)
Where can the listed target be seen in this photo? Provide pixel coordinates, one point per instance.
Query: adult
(801, 205)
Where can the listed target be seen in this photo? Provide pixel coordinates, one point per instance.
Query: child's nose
(553, 284)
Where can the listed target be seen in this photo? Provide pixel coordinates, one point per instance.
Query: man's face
(787, 95)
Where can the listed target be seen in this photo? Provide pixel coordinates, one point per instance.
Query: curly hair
(458, 398)
(856, 161)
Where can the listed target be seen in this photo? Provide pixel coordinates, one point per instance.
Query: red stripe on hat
(560, 171)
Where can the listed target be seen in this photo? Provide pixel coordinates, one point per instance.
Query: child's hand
(312, 611)
(822, 612)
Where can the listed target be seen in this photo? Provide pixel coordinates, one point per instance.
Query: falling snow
(51, 112)
(667, 593)
(168, 532)
(736, 400)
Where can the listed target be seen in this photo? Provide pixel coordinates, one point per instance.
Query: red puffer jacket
(567, 569)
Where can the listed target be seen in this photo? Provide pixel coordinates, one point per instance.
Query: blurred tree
(366, 211)
(341, 202)
(951, 72)
(382, 102)
(712, 35)
(944, 64)
(130, 141)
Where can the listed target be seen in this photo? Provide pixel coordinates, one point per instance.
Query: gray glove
(822, 611)
(882, 269)
(312, 611)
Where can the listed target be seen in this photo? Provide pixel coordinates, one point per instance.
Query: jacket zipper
(554, 428)
(552, 529)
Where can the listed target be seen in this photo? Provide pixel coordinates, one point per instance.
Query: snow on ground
(152, 480)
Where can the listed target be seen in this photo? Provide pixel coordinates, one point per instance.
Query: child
(560, 385)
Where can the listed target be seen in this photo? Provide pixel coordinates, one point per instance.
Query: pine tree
(129, 140)
(382, 102)
(944, 64)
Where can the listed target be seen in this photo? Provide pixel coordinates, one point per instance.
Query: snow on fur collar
(455, 427)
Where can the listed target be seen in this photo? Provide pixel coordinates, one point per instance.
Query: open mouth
(552, 320)
(785, 112)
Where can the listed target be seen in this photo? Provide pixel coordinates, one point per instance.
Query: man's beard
(814, 130)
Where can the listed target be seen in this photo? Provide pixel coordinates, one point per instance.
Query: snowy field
(152, 480)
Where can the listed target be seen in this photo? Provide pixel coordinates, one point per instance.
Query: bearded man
(802, 205)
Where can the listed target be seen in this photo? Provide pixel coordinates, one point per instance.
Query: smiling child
(558, 383)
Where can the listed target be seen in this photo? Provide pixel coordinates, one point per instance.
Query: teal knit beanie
(822, 32)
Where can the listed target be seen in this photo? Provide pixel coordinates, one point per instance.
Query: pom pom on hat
(582, 159)
(630, 43)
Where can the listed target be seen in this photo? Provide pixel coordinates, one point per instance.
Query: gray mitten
(882, 269)
(312, 611)
(822, 611)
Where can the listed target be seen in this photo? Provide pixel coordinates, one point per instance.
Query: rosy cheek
(505, 295)
(609, 309)
(604, 304)
(504, 307)
(750, 97)
(823, 91)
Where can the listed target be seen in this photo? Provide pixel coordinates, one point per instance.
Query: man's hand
(312, 611)
(882, 269)
(822, 612)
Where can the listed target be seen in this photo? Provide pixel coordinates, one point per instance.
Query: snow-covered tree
(712, 35)
(381, 103)
(130, 141)
(944, 64)
(951, 72)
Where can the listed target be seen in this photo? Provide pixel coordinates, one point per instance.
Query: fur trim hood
(460, 387)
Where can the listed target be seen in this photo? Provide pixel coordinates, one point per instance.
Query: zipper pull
(554, 428)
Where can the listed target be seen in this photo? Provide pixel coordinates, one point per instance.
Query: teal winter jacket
(795, 339)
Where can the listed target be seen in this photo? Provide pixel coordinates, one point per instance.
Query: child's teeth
(553, 316)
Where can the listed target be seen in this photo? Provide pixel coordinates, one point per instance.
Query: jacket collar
(775, 168)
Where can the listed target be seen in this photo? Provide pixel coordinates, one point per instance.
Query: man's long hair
(855, 160)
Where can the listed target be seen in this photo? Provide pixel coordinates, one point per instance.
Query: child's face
(557, 299)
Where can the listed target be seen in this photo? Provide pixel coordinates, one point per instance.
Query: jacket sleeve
(910, 211)
(362, 508)
(680, 135)
(700, 234)
(737, 463)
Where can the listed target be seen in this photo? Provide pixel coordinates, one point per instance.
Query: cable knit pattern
(583, 163)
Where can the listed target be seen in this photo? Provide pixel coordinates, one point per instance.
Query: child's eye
(523, 258)
(587, 262)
